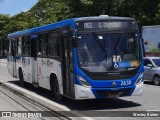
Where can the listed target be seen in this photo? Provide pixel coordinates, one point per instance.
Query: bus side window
(26, 45)
(10, 46)
(54, 46)
(13, 47)
(43, 45)
(39, 51)
(19, 45)
(16, 45)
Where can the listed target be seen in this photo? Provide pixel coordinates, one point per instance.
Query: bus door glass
(11, 57)
(14, 48)
(67, 61)
(26, 60)
(34, 66)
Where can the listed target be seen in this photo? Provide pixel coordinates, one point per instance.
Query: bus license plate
(112, 95)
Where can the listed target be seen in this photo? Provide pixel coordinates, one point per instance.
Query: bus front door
(13, 59)
(67, 61)
(34, 63)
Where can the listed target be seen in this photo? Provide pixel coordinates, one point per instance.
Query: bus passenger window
(26, 45)
(10, 46)
(53, 44)
(19, 45)
(43, 45)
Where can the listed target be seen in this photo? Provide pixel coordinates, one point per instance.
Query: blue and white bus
(80, 58)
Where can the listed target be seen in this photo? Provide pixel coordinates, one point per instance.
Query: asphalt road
(104, 109)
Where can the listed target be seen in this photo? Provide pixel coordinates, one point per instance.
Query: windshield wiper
(118, 45)
(103, 48)
(98, 41)
(120, 41)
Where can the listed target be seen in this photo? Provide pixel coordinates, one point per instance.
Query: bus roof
(103, 18)
(69, 22)
(42, 28)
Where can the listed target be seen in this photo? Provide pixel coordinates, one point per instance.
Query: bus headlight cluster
(83, 81)
(139, 79)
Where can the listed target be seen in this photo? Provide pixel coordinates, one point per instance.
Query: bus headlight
(139, 79)
(83, 81)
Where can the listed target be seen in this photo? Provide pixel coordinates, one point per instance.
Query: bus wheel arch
(21, 77)
(55, 87)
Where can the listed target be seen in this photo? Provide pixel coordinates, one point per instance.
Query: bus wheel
(21, 78)
(55, 89)
(156, 80)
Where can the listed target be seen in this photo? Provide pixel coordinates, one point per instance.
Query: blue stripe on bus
(52, 26)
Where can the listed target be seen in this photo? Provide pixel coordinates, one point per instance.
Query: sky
(13, 7)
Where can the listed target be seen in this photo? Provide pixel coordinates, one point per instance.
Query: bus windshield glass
(108, 52)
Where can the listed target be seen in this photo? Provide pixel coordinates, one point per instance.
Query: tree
(47, 11)
(4, 19)
(143, 11)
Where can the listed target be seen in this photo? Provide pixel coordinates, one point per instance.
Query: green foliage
(146, 12)
(48, 11)
(143, 11)
(44, 12)
(17, 23)
(4, 19)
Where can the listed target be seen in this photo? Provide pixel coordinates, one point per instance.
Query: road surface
(115, 108)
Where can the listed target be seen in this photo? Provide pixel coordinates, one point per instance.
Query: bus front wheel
(21, 78)
(55, 89)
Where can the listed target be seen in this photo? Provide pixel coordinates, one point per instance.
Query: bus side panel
(26, 64)
(46, 67)
(18, 65)
(34, 70)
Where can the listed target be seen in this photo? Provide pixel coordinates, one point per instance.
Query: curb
(51, 105)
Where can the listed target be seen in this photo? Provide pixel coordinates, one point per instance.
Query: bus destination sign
(106, 25)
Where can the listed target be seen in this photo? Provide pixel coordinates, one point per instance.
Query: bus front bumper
(82, 92)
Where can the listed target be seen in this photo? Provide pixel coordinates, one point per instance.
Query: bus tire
(22, 83)
(156, 80)
(55, 89)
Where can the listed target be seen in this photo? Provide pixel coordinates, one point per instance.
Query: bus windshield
(108, 52)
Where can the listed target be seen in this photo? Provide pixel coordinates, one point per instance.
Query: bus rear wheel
(22, 83)
(56, 90)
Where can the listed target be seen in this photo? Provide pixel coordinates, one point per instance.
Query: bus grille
(120, 92)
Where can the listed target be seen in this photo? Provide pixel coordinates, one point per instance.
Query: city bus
(80, 58)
